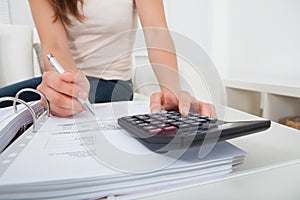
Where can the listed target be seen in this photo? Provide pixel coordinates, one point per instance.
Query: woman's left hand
(183, 102)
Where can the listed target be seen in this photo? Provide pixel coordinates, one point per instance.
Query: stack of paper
(84, 158)
(11, 122)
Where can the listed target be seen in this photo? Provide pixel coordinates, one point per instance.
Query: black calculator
(170, 127)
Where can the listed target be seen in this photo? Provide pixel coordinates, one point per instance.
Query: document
(92, 157)
(11, 122)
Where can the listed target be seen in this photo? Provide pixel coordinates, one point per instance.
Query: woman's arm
(59, 89)
(52, 34)
(161, 50)
(162, 55)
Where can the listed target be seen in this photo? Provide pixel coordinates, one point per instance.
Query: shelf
(273, 100)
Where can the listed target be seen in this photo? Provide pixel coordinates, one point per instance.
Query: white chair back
(16, 59)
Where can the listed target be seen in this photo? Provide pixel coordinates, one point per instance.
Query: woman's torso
(101, 46)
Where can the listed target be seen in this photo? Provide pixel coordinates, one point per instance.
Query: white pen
(57, 66)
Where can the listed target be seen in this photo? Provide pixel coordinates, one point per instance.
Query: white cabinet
(270, 99)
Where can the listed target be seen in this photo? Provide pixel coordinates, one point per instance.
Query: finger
(59, 101)
(61, 112)
(207, 109)
(54, 81)
(82, 85)
(194, 105)
(155, 103)
(213, 111)
(69, 89)
(43, 103)
(77, 77)
(169, 101)
(57, 111)
(184, 102)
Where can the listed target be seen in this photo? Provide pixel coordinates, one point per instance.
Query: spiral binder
(34, 91)
(16, 122)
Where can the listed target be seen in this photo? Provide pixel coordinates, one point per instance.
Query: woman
(89, 38)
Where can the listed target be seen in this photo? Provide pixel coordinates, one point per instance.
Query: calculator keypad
(171, 123)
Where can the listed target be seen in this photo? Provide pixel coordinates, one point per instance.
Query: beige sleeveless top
(101, 46)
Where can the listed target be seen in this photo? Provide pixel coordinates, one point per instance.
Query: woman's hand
(183, 102)
(61, 90)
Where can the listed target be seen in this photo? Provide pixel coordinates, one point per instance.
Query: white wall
(219, 29)
(190, 18)
(247, 39)
(20, 12)
(261, 40)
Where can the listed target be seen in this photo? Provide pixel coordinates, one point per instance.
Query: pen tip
(90, 109)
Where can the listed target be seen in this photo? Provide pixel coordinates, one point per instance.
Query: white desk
(271, 170)
(274, 184)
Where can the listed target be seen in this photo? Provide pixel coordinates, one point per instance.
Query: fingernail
(185, 110)
(83, 95)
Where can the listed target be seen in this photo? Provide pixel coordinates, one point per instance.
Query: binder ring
(34, 91)
(34, 117)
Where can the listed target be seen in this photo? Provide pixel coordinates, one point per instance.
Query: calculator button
(193, 118)
(127, 118)
(153, 115)
(189, 121)
(147, 128)
(212, 120)
(165, 114)
(143, 124)
(136, 122)
(196, 124)
(170, 120)
(176, 123)
(170, 128)
(175, 117)
(182, 118)
(149, 120)
(155, 122)
(200, 120)
(194, 114)
(161, 118)
(173, 113)
(162, 125)
(141, 117)
(154, 131)
(185, 127)
(203, 117)
(130, 119)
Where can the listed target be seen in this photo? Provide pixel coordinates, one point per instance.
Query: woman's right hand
(62, 91)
